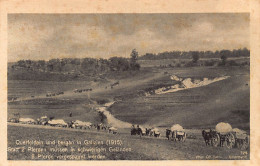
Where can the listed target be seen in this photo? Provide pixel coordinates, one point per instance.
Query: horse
(168, 133)
(136, 131)
(208, 136)
(147, 132)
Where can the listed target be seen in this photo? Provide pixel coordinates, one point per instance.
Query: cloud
(36, 36)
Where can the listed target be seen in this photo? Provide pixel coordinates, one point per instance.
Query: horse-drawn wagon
(81, 125)
(224, 135)
(176, 133)
(57, 123)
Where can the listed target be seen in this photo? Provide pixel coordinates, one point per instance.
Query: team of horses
(138, 130)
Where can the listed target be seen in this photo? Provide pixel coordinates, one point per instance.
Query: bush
(233, 63)
(223, 58)
(102, 101)
(195, 57)
(136, 66)
(178, 65)
(189, 64)
(221, 63)
(209, 63)
(245, 63)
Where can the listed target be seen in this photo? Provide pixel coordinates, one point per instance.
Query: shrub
(233, 63)
(209, 63)
(178, 65)
(102, 101)
(190, 64)
(195, 56)
(223, 58)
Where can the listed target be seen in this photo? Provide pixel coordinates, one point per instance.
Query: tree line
(82, 65)
(201, 54)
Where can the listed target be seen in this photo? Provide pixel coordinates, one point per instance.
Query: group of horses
(144, 131)
(53, 94)
(82, 90)
(114, 84)
(228, 139)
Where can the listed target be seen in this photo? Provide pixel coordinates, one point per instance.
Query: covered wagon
(81, 125)
(43, 120)
(27, 121)
(112, 130)
(155, 132)
(224, 135)
(58, 123)
(178, 133)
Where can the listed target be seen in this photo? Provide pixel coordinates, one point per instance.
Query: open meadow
(194, 108)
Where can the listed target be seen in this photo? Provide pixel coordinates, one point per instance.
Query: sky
(48, 36)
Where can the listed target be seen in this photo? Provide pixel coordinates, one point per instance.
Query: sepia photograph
(128, 86)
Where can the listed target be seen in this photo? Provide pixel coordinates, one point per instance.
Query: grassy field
(203, 107)
(143, 148)
(227, 100)
(21, 88)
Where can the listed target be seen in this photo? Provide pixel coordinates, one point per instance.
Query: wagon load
(27, 120)
(143, 130)
(223, 128)
(240, 134)
(43, 120)
(57, 122)
(81, 124)
(178, 133)
(242, 138)
(112, 130)
(177, 127)
(156, 132)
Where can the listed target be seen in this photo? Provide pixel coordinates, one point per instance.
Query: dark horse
(208, 136)
(168, 133)
(136, 131)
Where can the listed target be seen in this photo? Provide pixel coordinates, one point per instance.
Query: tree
(224, 55)
(133, 61)
(21, 63)
(195, 56)
(134, 56)
(119, 63)
(224, 59)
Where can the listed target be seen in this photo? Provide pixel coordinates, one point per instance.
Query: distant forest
(92, 65)
(202, 54)
(83, 65)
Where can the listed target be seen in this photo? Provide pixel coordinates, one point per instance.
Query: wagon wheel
(215, 140)
(230, 141)
(245, 143)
